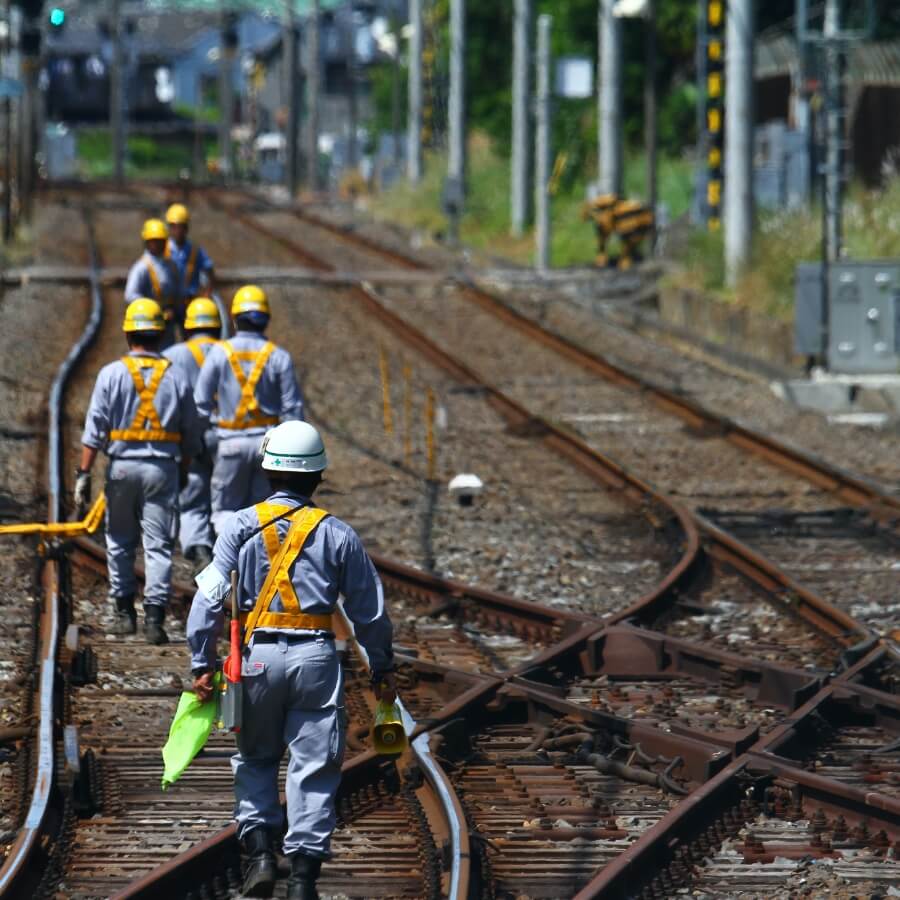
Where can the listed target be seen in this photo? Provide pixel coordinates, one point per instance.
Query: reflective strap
(189, 271)
(154, 278)
(278, 581)
(247, 414)
(146, 425)
(194, 345)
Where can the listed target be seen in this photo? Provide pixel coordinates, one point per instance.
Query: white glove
(82, 493)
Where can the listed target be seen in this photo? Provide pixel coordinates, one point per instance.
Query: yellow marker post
(387, 411)
(429, 434)
(88, 525)
(407, 416)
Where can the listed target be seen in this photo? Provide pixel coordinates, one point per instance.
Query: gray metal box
(809, 318)
(863, 323)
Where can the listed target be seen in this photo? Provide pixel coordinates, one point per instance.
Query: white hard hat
(293, 447)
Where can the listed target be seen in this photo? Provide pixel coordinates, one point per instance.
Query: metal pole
(352, 106)
(117, 91)
(650, 110)
(292, 85)
(414, 115)
(7, 133)
(31, 63)
(520, 116)
(542, 146)
(834, 132)
(610, 99)
(739, 113)
(312, 98)
(456, 107)
(396, 95)
(226, 91)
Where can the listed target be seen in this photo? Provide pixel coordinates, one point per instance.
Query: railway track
(554, 748)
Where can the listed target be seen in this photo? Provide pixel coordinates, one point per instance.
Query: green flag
(188, 733)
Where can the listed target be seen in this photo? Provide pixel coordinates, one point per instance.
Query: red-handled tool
(231, 700)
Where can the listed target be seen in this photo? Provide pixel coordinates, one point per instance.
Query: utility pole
(227, 48)
(650, 108)
(739, 114)
(313, 69)
(542, 146)
(834, 160)
(396, 73)
(610, 99)
(28, 111)
(8, 72)
(292, 84)
(414, 114)
(352, 109)
(520, 115)
(117, 91)
(456, 111)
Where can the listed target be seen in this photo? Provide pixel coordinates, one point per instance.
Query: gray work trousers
(141, 503)
(194, 503)
(237, 479)
(294, 700)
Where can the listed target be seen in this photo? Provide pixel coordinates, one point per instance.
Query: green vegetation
(485, 225)
(147, 157)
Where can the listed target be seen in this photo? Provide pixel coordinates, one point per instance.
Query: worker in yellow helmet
(249, 385)
(202, 325)
(198, 277)
(142, 415)
(156, 277)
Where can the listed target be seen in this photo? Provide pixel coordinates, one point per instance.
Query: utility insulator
(714, 92)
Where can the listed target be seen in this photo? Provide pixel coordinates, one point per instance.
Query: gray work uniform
(194, 528)
(293, 685)
(142, 476)
(164, 286)
(237, 480)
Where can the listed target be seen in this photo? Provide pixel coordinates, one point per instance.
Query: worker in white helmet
(156, 277)
(202, 325)
(292, 560)
(142, 415)
(198, 277)
(248, 385)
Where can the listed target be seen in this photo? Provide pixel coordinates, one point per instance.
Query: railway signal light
(57, 17)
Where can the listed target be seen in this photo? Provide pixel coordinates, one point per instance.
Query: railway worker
(292, 561)
(142, 415)
(202, 325)
(192, 261)
(250, 385)
(154, 276)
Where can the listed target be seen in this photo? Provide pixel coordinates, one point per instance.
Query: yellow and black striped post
(715, 95)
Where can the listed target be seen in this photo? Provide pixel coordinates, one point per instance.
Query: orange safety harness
(165, 302)
(282, 556)
(146, 425)
(248, 414)
(195, 344)
(191, 265)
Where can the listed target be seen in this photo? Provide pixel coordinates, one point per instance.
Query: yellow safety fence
(88, 525)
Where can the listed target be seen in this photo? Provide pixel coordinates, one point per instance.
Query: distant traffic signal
(57, 17)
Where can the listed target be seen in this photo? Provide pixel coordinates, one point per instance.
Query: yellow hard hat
(154, 230)
(177, 214)
(202, 313)
(250, 298)
(143, 315)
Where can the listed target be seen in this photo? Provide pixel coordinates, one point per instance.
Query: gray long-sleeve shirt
(181, 357)
(332, 563)
(115, 401)
(140, 284)
(278, 393)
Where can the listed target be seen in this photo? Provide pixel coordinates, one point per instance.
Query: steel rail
(15, 870)
(776, 585)
(850, 488)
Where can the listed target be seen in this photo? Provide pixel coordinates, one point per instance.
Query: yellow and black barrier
(88, 525)
(629, 220)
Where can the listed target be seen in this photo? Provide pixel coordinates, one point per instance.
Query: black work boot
(153, 624)
(126, 618)
(259, 880)
(304, 875)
